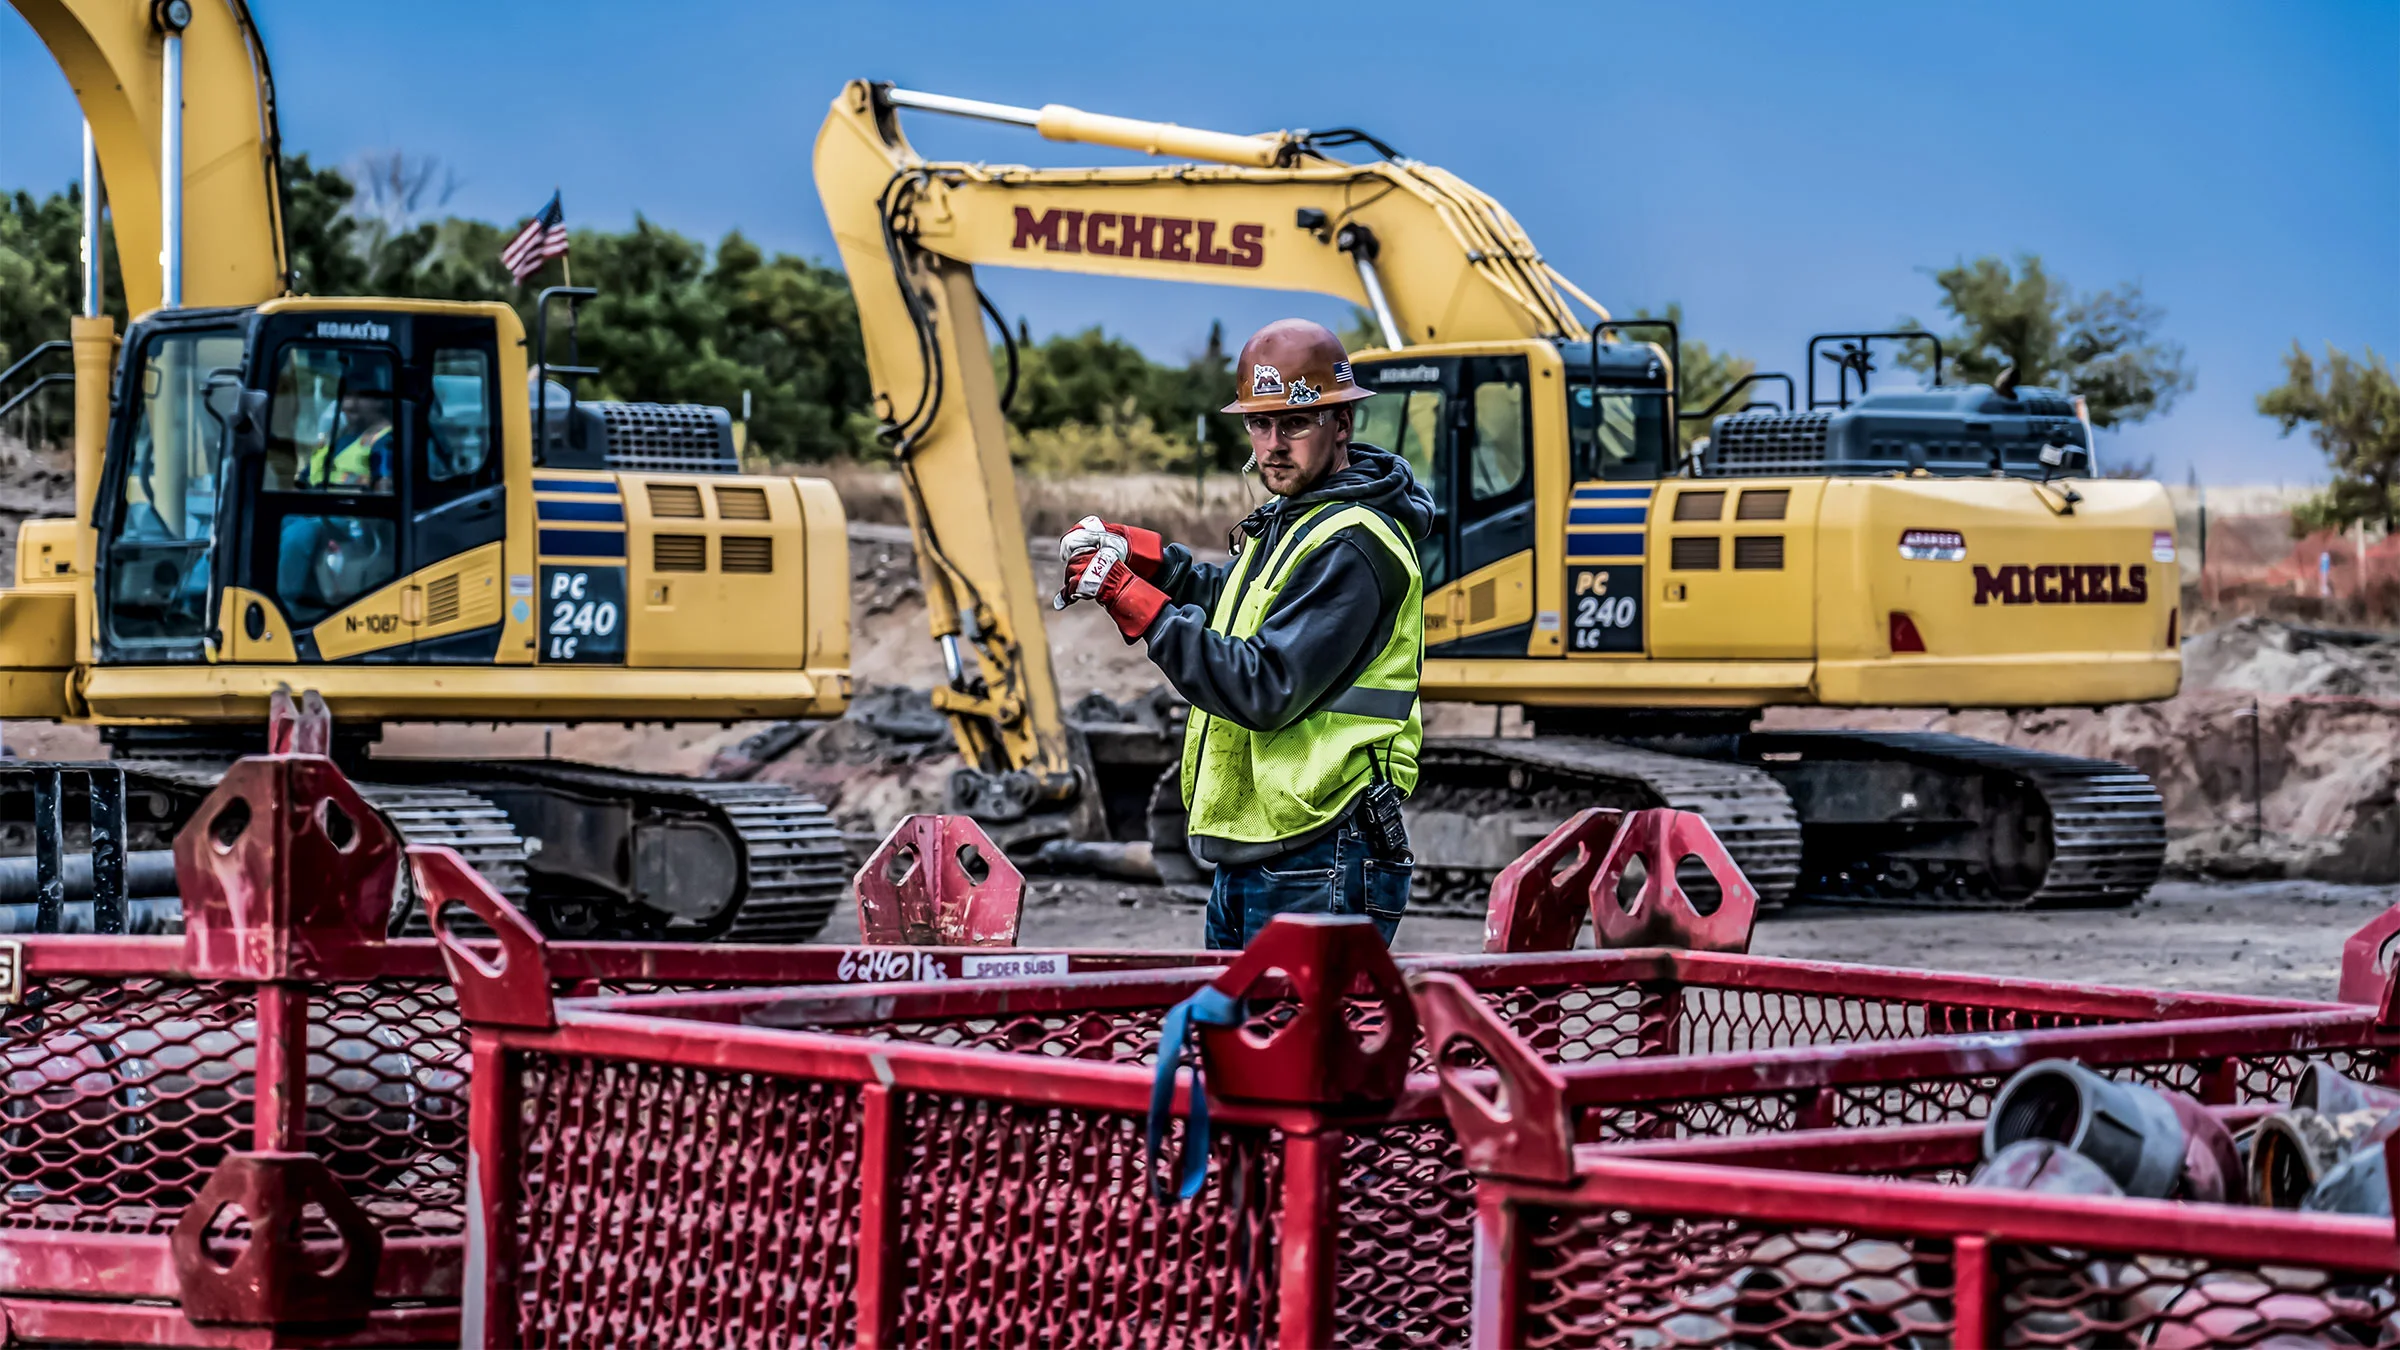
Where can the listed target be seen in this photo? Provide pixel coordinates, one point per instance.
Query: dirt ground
(2267, 938)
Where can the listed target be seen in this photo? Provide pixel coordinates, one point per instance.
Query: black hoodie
(1329, 621)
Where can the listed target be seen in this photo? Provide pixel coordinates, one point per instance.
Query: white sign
(1011, 967)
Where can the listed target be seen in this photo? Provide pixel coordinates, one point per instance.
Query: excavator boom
(114, 55)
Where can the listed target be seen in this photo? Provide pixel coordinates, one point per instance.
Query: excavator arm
(1275, 212)
(216, 160)
(113, 55)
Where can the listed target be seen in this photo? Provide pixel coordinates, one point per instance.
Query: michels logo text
(1115, 235)
(2063, 584)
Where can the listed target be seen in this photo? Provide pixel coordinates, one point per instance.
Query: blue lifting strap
(1207, 1008)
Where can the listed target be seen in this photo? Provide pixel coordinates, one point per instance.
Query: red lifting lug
(939, 881)
(2369, 972)
(1537, 903)
(1522, 1130)
(1351, 1027)
(515, 992)
(1660, 913)
(286, 874)
(275, 1280)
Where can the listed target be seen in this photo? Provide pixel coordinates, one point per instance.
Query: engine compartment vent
(746, 553)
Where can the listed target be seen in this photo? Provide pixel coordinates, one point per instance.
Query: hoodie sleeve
(1330, 620)
(1187, 580)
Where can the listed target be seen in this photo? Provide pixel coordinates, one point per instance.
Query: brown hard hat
(1292, 363)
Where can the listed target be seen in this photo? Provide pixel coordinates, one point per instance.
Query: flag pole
(566, 268)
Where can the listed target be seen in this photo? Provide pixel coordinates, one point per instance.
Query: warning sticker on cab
(1012, 967)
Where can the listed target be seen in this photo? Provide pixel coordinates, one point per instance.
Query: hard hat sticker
(1300, 392)
(1341, 372)
(1265, 380)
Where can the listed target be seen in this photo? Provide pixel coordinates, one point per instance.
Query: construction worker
(1300, 657)
(363, 463)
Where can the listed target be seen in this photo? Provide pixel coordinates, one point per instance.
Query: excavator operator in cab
(359, 456)
(1299, 657)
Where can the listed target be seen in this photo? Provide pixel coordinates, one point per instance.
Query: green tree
(2352, 410)
(2102, 345)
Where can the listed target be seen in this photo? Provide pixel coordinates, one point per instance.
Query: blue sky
(1778, 169)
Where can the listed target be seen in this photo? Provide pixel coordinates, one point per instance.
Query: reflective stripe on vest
(1260, 786)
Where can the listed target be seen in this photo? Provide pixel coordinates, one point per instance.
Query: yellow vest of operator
(1260, 786)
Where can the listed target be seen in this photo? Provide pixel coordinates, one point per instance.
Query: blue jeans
(1334, 875)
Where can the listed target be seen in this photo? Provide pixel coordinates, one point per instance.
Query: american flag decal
(1341, 372)
(543, 238)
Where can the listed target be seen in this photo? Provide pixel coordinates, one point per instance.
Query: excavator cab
(275, 481)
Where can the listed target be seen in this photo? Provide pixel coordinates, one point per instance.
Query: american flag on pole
(543, 238)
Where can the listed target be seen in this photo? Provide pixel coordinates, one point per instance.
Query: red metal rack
(955, 1164)
(1863, 1237)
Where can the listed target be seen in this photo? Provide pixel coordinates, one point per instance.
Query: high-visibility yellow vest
(351, 466)
(1261, 786)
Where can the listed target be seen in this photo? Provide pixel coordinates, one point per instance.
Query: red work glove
(1102, 575)
(1144, 550)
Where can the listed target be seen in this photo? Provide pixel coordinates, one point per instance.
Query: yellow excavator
(1935, 547)
(403, 505)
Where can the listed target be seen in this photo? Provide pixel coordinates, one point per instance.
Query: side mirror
(250, 425)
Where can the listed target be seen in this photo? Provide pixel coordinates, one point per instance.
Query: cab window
(1617, 435)
(1408, 422)
(460, 424)
(1497, 463)
(166, 508)
(332, 424)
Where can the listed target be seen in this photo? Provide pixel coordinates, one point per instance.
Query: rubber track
(2108, 824)
(1750, 812)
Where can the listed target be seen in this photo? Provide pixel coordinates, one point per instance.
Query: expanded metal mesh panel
(660, 1205)
(2268, 1079)
(1720, 1020)
(1614, 1278)
(387, 1102)
(1401, 1269)
(1619, 1278)
(1117, 1035)
(119, 1099)
(2049, 1297)
(1032, 1226)
(121, 1096)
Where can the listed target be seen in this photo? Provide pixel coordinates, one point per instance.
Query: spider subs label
(583, 615)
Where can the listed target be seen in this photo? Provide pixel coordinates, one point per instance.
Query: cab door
(326, 548)
(457, 508)
(1464, 426)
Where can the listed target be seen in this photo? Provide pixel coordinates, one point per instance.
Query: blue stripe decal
(604, 489)
(583, 543)
(612, 511)
(1583, 493)
(1603, 546)
(1607, 515)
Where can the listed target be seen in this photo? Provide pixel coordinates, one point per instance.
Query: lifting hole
(900, 866)
(313, 1222)
(1567, 863)
(1699, 884)
(971, 861)
(337, 824)
(226, 830)
(1630, 882)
